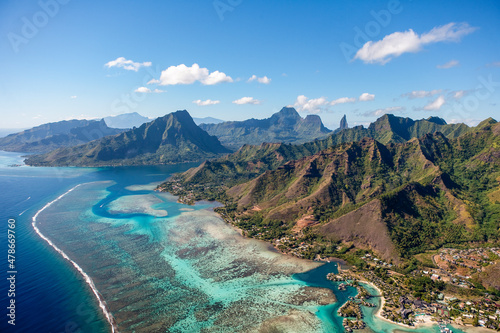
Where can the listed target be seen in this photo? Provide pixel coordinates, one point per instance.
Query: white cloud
(264, 79)
(366, 97)
(73, 97)
(493, 64)
(316, 105)
(153, 81)
(147, 90)
(421, 93)
(381, 112)
(247, 100)
(129, 65)
(182, 74)
(343, 100)
(435, 105)
(310, 105)
(459, 94)
(199, 102)
(449, 64)
(397, 43)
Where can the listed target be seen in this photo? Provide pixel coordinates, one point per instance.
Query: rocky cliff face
(343, 123)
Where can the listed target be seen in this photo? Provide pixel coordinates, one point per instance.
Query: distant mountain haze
(207, 120)
(126, 120)
(284, 126)
(51, 136)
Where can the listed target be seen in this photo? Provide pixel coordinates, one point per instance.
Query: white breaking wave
(87, 278)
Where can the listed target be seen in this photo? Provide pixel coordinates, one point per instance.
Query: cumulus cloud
(247, 100)
(315, 105)
(343, 100)
(435, 105)
(264, 79)
(421, 93)
(381, 112)
(449, 64)
(145, 90)
(398, 43)
(321, 104)
(199, 102)
(366, 97)
(153, 81)
(129, 65)
(183, 74)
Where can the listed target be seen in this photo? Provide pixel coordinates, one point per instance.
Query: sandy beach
(378, 314)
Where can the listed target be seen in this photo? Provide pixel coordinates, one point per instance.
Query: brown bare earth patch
(440, 263)
(490, 277)
(365, 228)
(256, 208)
(304, 221)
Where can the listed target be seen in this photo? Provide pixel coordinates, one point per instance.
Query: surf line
(87, 278)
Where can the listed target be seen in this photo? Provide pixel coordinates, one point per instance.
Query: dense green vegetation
(433, 191)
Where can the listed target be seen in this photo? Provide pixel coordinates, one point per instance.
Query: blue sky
(238, 59)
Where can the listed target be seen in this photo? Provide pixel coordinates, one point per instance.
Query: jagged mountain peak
(283, 126)
(436, 120)
(288, 112)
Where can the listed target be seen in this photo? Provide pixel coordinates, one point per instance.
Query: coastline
(382, 302)
(467, 329)
(86, 277)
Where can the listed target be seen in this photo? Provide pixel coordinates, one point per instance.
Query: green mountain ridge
(251, 160)
(174, 138)
(50, 136)
(284, 126)
(420, 194)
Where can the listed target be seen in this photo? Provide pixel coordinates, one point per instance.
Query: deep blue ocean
(50, 296)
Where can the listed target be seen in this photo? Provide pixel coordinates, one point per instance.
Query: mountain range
(51, 136)
(174, 138)
(284, 126)
(410, 187)
(252, 160)
(126, 120)
(134, 119)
